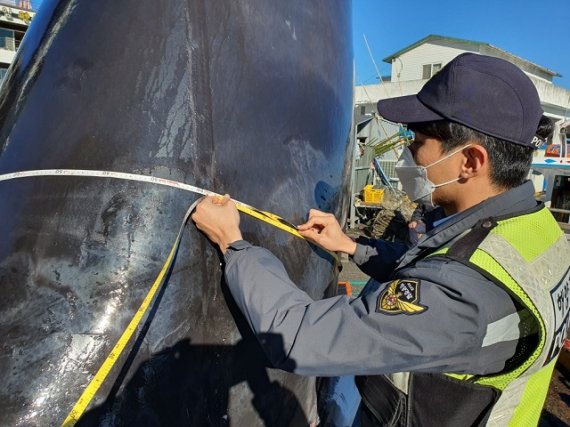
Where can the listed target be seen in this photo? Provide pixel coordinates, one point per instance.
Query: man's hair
(509, 162)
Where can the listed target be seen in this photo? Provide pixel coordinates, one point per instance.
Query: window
(429, 70)
(3, 72)
(7, 39)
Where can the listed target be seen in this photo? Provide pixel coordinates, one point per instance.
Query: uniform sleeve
(411, 324)
(377, 258)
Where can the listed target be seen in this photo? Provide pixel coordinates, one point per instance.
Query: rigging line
(375, 66)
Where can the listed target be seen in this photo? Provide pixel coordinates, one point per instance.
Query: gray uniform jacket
(466, 323)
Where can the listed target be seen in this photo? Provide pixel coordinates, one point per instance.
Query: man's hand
(323, 229)
(218, 218)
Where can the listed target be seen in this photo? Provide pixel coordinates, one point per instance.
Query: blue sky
(538, 31)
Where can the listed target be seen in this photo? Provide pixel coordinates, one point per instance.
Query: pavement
(351, 273)
(556, 411)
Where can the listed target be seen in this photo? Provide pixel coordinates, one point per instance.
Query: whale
(114, 312)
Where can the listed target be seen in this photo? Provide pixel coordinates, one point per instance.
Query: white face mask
(414, 178)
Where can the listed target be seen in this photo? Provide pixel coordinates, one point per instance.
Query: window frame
(428, 70)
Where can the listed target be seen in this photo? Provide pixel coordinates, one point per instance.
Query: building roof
(475, 44)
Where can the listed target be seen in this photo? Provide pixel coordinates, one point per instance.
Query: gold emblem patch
(401, 296)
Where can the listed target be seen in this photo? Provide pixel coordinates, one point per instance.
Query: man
(422, 220)
(463, 328)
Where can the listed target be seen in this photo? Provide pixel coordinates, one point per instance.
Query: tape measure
(267, 217)
(98, 379)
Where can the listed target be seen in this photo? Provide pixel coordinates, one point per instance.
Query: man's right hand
(218, 218)
(323, 229)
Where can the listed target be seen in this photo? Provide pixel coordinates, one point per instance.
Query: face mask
(414, 178)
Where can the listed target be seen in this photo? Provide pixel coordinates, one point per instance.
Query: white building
(15, 18)
(413, 65)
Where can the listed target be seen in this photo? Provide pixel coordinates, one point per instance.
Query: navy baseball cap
(487, 94)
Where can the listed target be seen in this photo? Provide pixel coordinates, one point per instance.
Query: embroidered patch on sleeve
(401, 296)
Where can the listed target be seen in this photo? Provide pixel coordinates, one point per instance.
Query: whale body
(247, 97)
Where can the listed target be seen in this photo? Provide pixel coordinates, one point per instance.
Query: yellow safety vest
(529, 257)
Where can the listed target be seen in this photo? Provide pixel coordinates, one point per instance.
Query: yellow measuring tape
(97, 381)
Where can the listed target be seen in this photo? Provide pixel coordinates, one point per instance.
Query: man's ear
(475, 161)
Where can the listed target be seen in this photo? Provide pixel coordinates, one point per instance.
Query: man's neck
(471, 196)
